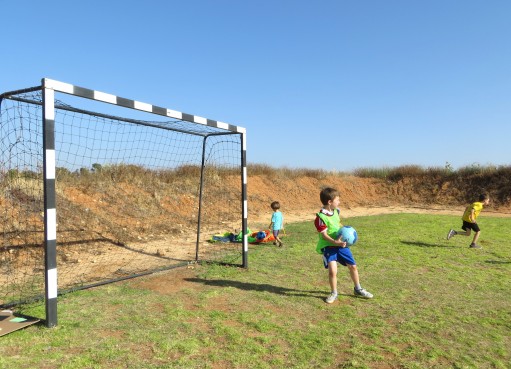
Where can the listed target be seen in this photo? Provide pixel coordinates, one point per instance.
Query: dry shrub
(263, 170)
(379, 173)
(306, 172)
(270, 172)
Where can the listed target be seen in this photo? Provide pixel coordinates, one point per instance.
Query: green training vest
(333, 223)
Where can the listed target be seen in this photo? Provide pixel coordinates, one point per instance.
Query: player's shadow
(497, 262)
(425, 244)
(499, 259)
(262, 287)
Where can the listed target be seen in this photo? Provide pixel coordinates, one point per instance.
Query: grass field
(437, 304)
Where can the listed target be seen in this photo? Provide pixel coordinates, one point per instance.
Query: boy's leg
(332, 275)
(358, 290)
(453, 233)
(473, 227)
(332, 280)
(476, 237)
(354, 275)
(474, 244)
(278, 241)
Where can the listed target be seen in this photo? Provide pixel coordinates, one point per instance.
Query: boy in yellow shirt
(470, 220)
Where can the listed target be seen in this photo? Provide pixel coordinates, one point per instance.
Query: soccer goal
(102, 188)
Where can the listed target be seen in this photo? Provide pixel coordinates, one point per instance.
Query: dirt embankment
(299, 197)
(165, 207)
(143, 206)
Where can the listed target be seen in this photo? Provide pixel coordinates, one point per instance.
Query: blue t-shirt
(277, 220)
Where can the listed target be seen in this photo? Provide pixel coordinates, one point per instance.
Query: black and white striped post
(50, 214)
(244, 210)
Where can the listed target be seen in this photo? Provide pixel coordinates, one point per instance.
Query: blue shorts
(342, 255)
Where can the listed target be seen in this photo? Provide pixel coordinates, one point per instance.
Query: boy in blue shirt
(334, 250)
(277, 222)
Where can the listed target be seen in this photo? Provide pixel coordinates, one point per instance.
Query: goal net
(102, 188)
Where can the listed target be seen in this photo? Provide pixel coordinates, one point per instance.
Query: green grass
(437, 304)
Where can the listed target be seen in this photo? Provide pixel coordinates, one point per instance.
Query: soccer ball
(348, 234)
(260, 236)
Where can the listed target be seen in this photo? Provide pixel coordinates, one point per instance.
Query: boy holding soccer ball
(334, 250)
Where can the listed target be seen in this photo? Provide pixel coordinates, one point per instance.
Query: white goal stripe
(137, 105)
(52, 283)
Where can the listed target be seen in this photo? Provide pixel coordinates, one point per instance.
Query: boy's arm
(272, 221)
(472, 216)
(336, 242)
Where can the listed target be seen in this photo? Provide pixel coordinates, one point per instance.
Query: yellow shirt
(477, 206)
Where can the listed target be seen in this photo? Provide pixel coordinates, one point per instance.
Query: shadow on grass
(497, 256)
(263, 287)
(425, 244)
(497, 262)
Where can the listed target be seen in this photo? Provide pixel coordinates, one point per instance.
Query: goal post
(70, 155)
(50, 215)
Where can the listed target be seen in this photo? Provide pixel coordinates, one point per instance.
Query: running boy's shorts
(473, 226)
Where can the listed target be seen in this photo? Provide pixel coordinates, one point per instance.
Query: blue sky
(337, 85)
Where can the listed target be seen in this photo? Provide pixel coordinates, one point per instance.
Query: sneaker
(280, 244)
(363, 293)
(331, 298)
(475, 246)
(451, 233)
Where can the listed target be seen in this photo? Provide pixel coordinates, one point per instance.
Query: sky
(336, 85)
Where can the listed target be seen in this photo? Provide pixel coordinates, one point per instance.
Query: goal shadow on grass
(261, 287)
